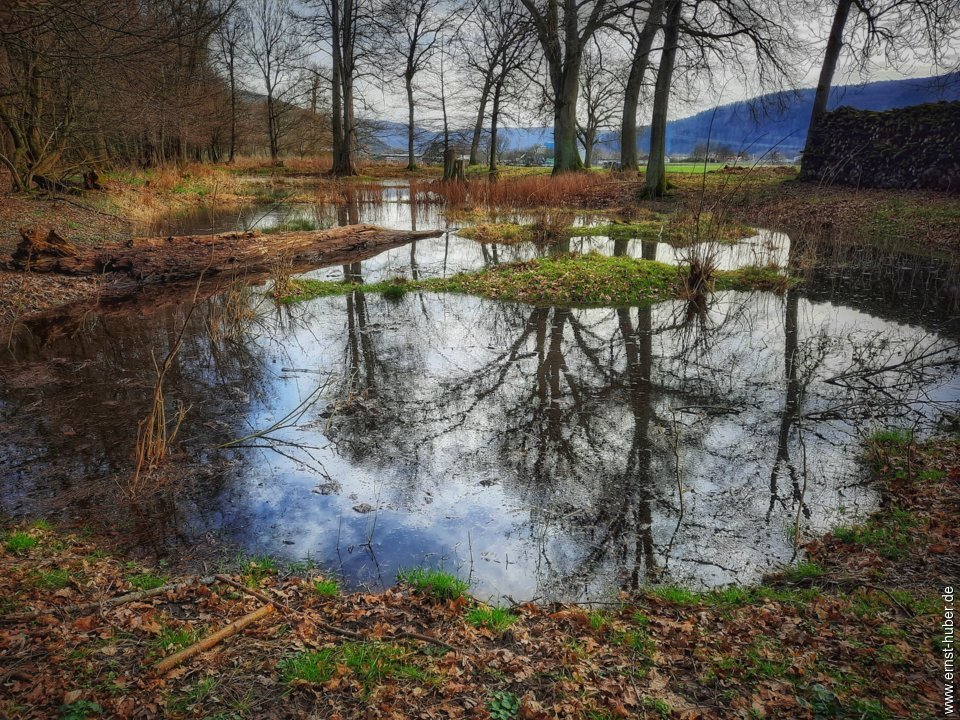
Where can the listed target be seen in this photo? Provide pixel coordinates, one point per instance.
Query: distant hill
(775, 121)
(389, 137)
(780, 120)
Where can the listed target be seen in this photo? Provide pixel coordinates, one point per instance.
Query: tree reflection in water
(539, 438)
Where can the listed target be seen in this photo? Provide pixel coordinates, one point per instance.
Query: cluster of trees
(149, 81)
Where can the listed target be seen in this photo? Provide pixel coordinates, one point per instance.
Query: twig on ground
(168, 664)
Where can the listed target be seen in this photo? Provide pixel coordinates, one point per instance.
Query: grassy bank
(588, 280)
(851, 632)
(678, 229)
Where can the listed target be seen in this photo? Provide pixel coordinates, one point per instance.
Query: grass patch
(677, 229)
(194, 696)
(52, 579)
(370, 663)
(147, 581)
(492, 618)
(437, 583)
(676, 595)
(734, 596)
(591, 280)
(258, 568)
(887, 534)
(501, 233)
(79, 710)
(768, 278)
(325, 587)
(637, 641)
(175, 638)
(895, 438)
(693, 168)
(295, 225)
(803, 571)
(19, 542)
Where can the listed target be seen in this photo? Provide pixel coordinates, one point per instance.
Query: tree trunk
(830, 59)
(588, 141)
(342, 20)
(478, 126)
(631, 98)
(566, 157)
(233, 110)
(411, 157)
(656, 180)
(336, 96)
(272, 129)
(494, 118)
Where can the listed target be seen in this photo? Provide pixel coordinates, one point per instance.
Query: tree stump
(453, 167)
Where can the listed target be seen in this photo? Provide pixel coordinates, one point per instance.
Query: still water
(543, 452)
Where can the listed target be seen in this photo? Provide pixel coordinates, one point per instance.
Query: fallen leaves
(861, 641)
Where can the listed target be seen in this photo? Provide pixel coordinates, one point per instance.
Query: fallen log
(170, 259)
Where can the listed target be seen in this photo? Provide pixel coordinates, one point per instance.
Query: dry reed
(568, 190)
(155, 433)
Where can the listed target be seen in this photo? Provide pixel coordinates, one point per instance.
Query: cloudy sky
(389, 103)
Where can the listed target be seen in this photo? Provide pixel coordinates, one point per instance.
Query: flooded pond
(539, 451)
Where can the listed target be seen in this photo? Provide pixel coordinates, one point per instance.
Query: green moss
(572, 280)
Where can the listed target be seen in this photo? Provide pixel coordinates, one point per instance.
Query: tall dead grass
(156, 433)
(569, 190)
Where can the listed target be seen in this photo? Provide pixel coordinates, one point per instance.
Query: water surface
(543, 452)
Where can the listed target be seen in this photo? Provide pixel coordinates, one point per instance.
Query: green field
(508, 171)
(693, 167)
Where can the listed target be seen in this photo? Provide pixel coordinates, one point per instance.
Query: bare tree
(754, 38)
(411, 30)
(563, 30)
(898, 28)
(600, 92)
(496, 39)
(228, 41)
(66, 93)
(273, 47)
(642, 35)
(656, 179)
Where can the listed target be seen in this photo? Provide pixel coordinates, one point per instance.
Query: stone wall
(911, 147)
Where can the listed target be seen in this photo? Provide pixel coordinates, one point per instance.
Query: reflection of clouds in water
(516, 423)
(534, 444)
